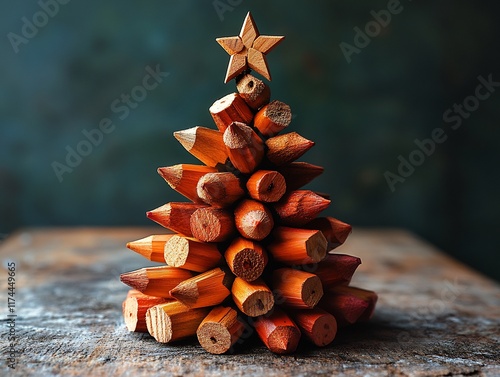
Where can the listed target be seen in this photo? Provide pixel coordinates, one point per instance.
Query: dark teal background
(362, 115)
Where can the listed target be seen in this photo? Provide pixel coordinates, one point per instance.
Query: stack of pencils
(248, 253)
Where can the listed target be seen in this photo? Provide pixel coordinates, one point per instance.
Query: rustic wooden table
(435, 317)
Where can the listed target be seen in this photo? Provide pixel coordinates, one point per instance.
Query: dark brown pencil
(286, 148)
(135, 307)
(190, 254)
(296, 288)
(336, 269)
(349, 304)
(184, 177)
(299, 174)
(294, 246)
(173, 321)
(212, 224)
(229, 109)
(246, 259)
(334, 230)
(319, 326)
(299, 207)
(220, 330)
(273, 118)
(244, 147)
(203, 143)
(151, 247)
(220, 189)
(278, 332)
(207, 289)
(256, 93)
(175, 216)
(253, 220)
(266, 186)
(155, 281)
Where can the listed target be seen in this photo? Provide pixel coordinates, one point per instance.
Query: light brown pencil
(205, 144)
(207, 289)
(190, 254)
(266, 186)
(212, 224)
(278, 332)
(184, 177)
(135, 307)
(253, 219)
(230, 108)
(219, 189)
(252, 298)
(220, 330)
(246, 258)
(175, 216)
(273, 118)
(296, 288)
(286, 148)
(173, 321)
(151, 247)
(294, 246)
(155, 281)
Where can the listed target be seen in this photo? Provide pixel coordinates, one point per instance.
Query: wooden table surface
(435, 317)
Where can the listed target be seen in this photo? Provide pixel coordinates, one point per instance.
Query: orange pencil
(278, 332)
(155, 281)
(189, 254)
(335, 231)
(135, 307)
(319, 326)
(246, 259)
(212, 224)
(203, 143)
(256, 93)
(219, 189)
(299, 207)
(286, 148)
(273, 118)
(229, 109)
(266, 186)
(175, 216)
(184, 177)
(252, 298)
(296, 288)
(253, 220)
(151, 247)
(244, 147)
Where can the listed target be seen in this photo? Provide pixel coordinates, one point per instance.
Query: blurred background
(69, 66)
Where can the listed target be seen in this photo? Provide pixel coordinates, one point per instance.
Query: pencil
(266, 186)
(212, 224)
(175, 216)
(256, 93)
(253, 220)
(207, 289)
(203, 143)
(334, 230)
(278, 332)
(151, 247)
(286, 148)
(299, 174)
(219, 189)
(230, 108)
(296, 288)
(336, 269)
(189, 254)
(246, 258)
(184, 177)
(135, 307)
(220, 330)
(295, 246)
(299, 207)
(155, 281)
(244, 148)
(272, 118)
(173, 321)
(252, 298)
(319, 326)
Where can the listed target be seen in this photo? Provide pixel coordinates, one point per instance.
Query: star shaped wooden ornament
(248, 50)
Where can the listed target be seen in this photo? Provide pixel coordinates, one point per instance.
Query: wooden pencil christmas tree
(248, 251)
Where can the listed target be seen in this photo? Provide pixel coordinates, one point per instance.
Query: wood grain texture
(434, 317)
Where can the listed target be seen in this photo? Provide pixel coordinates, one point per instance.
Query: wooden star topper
(248, 50)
